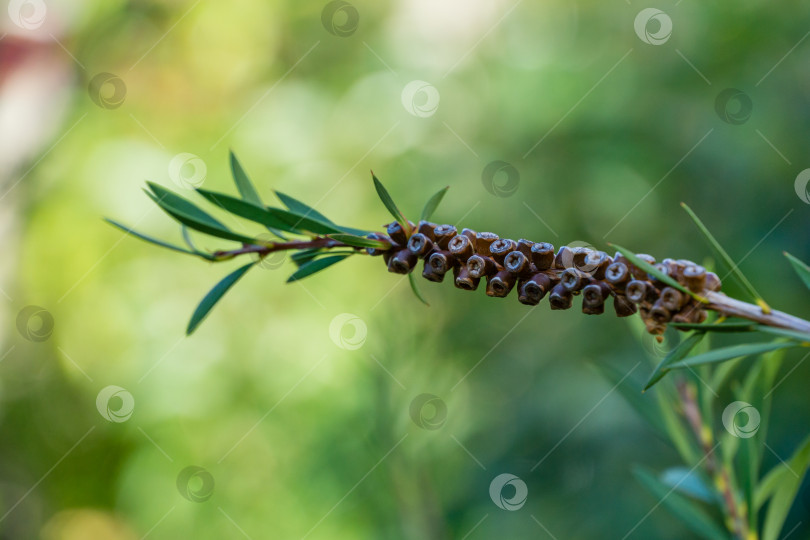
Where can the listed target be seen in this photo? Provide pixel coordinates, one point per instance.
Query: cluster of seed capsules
(536, 270)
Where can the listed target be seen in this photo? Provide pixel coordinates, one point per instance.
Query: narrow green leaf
(155, 241)
(360, 241)
(243, 183)
(189, 214)
(781, 485)
(732, 326)
(214, 295)
(733, 268)
(385, 197)
(691, 515)
(245, 209)
(689, 482)
(433, 203)
(650, 269)
(294, 205)
(415, 289)
(303, 223)
(316, 265)
(802, 269)
(801, 337)
(729, 353)
(675, 355)
(305, 255)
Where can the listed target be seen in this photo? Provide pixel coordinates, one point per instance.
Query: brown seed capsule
(617, 274)
(672, 299)
(430, 273)
(636, 291)
(564, 258)
(532, 290)
(402, 262)
(500, 284)
(695, 277)
(441, 261)
(712, 281)
(377, 251)
(593, 298)
(463, 280)
(595, 263)
(500, 248)
(442, 235)
(525, 247)
(659, 313)
(560, 297)
(469, 233)
(426, 228)
(573, 280)
(480, 266)
(419, 244)
(542, 255)
(622, 306)
(637, 272)
(517, 263)
(461, 247)
(396, 233)
(483, 241)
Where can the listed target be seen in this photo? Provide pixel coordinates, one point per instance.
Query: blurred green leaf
(315, 265)
(689, 482)
(675, 355)
(189, 214)
(781, 485)
(801, 269)
(735, 351)
(155, 241)
(433, 203)
(733, 268)
(247, 191)
(360, 241)
(732, 326)
(801, 337)
(214, 295)
(629, 390)
(385, 197)
(415, 289)
(691, 515)
(652, 270)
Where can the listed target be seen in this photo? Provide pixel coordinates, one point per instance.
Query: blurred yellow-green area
(340, 406)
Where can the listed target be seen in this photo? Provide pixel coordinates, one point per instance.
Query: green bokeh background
(300, 436)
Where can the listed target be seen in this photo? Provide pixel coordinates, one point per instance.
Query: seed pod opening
(593, 299)
(442, 235)
(441, 261)
(419, 244)
(500, 248)
(461, 247)
(430, 274)
(483, 241)
(672, 298)
(517, 263)
(636, 291)
(617, 274)
(532, 290)
(480, 266)
(595, 263)
(463, 280)
(660, 314)
(573, 279)
(397, 234)
(402, 262)
(695, 277)
(542, 255)
(500, 284)
(560, 297)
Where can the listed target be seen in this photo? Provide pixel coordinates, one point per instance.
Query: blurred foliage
(301, 437)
